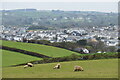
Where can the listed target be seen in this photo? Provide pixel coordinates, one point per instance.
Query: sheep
(58, 66)
(25, 66)
(78, 68)
(30, 64)
(55, 67)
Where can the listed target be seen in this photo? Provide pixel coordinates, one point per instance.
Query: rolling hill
(38, 48)
(10, 58)
(55, 19)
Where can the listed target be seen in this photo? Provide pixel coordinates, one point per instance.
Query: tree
(82, 42)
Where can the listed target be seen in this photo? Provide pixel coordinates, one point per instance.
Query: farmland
(103, 68)
(38, 48)
(13, 58)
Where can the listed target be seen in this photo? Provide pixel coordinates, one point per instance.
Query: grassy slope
(105, 68)
(12, 58)
(42, 49)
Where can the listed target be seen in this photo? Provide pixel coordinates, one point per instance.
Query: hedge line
(25, 52)
(75, 57)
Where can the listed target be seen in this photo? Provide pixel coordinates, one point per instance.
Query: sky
(66, 6)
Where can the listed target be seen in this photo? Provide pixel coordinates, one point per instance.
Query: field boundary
(25, 52)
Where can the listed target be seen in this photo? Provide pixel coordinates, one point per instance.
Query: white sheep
(25, 66)
(30, 64)
(58, 66)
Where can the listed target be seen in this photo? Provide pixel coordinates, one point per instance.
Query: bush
(74, 57)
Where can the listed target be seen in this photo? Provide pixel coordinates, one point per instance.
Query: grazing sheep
(25, 66)
(78, 68)
(30, 64)
(58, 66)
(55, 67)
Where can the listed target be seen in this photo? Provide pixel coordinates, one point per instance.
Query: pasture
(38, 48)
(103, 68)
(13, 58)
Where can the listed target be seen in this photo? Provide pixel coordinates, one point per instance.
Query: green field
(13, 58)
(38, 48)
(103, 68)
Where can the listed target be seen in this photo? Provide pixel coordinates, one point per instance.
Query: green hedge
(75, 57)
